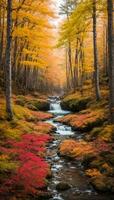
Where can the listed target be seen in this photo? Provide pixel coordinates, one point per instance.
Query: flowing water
(64, 170)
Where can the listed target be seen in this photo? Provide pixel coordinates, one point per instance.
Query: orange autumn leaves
(76, 149)
(81, 149)
(84, 121)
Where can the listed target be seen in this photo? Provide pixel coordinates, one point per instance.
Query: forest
(56, 99)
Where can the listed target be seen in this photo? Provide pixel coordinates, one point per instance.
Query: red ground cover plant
(42, 116)
(32, 171)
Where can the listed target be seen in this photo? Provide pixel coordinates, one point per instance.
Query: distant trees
(26, 41)
(26, 44)
(81, 29)
(91, 49)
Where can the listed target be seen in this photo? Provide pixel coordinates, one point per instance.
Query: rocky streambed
(68, 181)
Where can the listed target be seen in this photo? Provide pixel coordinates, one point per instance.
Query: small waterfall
(55, 106)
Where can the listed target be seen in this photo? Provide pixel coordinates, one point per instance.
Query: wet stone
(62, 186)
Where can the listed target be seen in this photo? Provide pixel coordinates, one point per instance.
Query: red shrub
(32, 169)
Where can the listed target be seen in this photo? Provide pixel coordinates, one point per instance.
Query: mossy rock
(62, 186)
(41, 105)
(33, 104)
(90, 125)
(21, 100)
(75, 105)
(105, 133)
(44, 105)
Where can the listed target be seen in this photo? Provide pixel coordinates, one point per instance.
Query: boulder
(62, 186)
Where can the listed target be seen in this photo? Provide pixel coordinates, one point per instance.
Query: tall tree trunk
(70, 64)
(110, 7)
(76, 66)
(96, 67)
(82, 65)
(2, 27)
(0, 35)
(14, 64)
(8, 61)
(67, 70)
(107, 59)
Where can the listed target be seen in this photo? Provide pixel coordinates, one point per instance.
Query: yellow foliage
(107, 133)
(33, 25)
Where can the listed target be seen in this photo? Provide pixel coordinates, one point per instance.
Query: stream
(64, 170)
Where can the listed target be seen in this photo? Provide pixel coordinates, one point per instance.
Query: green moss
(8, 165)
(39, 104)
(20, 100)
(32, 103)
(22, 112)
(7, 132)
(76, 104)
(14, 134)
(105, 133)
(15, 129)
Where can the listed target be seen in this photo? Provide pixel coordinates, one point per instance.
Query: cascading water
(67, 171)
(55, 107)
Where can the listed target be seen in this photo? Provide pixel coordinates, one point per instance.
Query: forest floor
(96, 148)
(23, 169)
